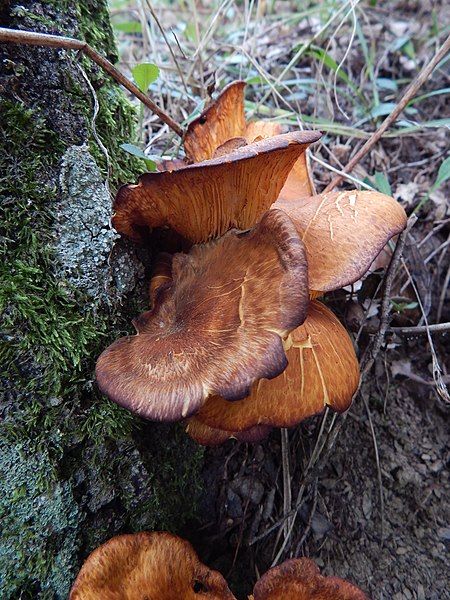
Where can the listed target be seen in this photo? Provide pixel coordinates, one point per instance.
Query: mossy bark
(74, 468)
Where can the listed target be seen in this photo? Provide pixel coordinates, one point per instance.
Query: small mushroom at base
(147, 565)
(210, 436)
(300, 579)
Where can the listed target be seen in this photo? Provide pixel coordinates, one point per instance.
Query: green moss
(95, 26)
(75, 469)
(39, 315)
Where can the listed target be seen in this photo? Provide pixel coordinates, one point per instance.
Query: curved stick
(31, 38)
(410, 92)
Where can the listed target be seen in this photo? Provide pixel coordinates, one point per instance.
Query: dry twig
(31, 38)
(410, 92)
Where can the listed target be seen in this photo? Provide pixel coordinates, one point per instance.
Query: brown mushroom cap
(147, 565)
(343, 233)
(206, 199)
(161, 276)
(209, 436)
(300, 579)
(323, 370)
(217, 328)
(222, 120)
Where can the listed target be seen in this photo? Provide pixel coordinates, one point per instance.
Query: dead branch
(31, 38)
(410, 92)
(416, 329)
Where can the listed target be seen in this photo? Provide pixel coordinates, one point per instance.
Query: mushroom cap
(299, 183)
(217, 328)
(222, 120)
(300, 579)
(323, 370)
(147, 565)
(206, 199)
(210, 436)
(161, 275)
(343, 233)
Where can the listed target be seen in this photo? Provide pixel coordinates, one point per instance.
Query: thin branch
(443, 294)
(31, 38)
(413, 330)
(410, 92)
(369, 358)
(287, 492)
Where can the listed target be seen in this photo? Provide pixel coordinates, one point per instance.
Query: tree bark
(75, 469)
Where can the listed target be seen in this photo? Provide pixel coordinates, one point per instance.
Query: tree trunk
(75, 469)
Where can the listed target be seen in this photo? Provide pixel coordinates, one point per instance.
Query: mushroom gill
(204, 200)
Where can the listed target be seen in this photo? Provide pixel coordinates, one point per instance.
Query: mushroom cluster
(162, 566)
(235, 340)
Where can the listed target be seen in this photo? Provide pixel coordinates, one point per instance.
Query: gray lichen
(83, 235)
(35, 514)
(90, 256)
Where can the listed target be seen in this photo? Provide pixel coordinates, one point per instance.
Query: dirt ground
(399, 551)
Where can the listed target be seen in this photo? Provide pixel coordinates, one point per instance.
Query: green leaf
(329, 62)
(255, 80)
(135, 151)
(443, 174)
(400, 42)
(408, 49)
(382, 110)
(429, 95)
(190, 32)
(128, 27)
(402, 306)
(144, 75)
(387, 84)
(381, 183)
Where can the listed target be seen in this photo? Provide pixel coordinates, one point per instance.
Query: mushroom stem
(31, 38)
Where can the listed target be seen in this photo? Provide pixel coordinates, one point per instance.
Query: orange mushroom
(212, 436)
(224, 120)
(162, 566)
(343, 233)
(216, 328)
(214, 334)
(322, 371)
(300, 579)
(147, 565)
(204, 200)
